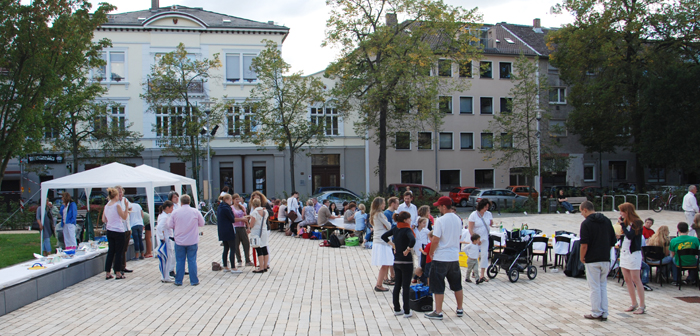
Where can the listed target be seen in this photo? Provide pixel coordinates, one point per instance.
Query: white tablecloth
(340, 223)
(500, 234)
(564, 247)
(10, 276)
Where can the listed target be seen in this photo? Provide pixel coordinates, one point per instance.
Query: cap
(444, 200)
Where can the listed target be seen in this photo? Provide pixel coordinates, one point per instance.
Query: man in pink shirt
(185, 222)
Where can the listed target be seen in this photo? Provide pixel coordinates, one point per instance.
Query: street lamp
(205, 132)
(539, 164)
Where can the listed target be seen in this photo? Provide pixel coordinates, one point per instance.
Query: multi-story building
(139, 38)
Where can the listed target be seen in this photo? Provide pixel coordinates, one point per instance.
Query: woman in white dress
(480, 222)
(258, 220)
(166, 248)
(631, 255)
(382, 254)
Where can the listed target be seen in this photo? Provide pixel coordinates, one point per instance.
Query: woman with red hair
(631, 255)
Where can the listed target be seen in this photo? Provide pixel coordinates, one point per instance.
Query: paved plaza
(322, 291)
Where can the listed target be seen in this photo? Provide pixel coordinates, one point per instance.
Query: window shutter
(233, 72)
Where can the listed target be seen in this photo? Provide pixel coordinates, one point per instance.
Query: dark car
(460, 195)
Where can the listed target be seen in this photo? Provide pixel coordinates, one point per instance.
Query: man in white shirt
(690, 206)
(444, 250)
(409, 207)
(293, 205)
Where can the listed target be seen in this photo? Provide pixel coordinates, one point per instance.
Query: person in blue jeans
(563, 200)
(185, 222)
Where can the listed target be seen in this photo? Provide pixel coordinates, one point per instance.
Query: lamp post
(539, 164)
(205, 132)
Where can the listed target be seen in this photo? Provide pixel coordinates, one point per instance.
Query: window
(445, 104)
(557, 128)
(240, 120)
(657, 175)
(445, 140)
(557, 96)
(506, 140)
(445, 68)
(115, 66)
(483, 178)
(505, 69)
(170, 120)
(486, 105)
(465, 69)
(235, 68)
(327, 118)
(425, 140)
(589, 172)
(486, 70)
(449, 179)
(506, 105)
(403, 140)
(618, 170)
(115, 118)
(412, 176)
(466, 140)
(466, 105)
(486, 140)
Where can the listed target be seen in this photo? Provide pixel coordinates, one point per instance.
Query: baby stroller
(515, 258)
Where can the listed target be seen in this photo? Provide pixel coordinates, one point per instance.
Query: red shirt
(647, 233)
(427, 249)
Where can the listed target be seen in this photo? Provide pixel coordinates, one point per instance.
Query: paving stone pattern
(322, 291)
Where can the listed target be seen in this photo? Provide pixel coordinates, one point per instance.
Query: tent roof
(160, 172)
(110, 175)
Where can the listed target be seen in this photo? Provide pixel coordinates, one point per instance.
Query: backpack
(334, 241)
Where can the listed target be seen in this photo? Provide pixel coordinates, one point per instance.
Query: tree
(88, 129)
(515, 132)
(280, 106)
(175, 86)
(608, 55)
(383, 70)
(42, 47)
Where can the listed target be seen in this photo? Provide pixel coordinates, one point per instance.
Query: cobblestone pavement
(321, 291)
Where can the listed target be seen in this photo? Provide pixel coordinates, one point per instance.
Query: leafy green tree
(515, 132)
(175, 86)
(43, 46)
(384, 70)
(280, 104)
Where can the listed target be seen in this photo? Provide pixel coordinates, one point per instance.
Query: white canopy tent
(111, 175)
(178, 186)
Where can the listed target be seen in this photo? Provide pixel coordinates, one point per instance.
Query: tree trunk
(3, 166)
(291, 167)
(383, 110)
(640, 173)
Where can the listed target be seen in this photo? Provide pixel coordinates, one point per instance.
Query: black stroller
(515, 258)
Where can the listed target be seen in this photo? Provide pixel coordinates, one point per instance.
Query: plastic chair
(693, 267)
(653, 255)
(492, 247)
(564, 258)
(539, 253)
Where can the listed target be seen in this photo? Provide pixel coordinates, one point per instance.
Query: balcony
(195, 87)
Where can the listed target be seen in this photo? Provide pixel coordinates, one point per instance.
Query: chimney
(155, 5)
(391, 19)
(536, 23)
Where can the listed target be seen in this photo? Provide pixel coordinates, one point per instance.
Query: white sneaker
(558, 212)
(397, 313)
(167, 281)
(567, 212)
(410, 313)
(236, 271)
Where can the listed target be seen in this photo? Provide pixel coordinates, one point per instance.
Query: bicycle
(657, 204)
(209, 216)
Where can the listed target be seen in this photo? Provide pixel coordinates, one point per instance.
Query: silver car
(337, 197)
(500, 198)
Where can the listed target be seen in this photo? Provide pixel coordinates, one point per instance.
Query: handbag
(255, 239)
(215, 266)
(292, 215)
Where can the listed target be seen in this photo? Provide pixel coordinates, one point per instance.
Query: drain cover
(690, 299)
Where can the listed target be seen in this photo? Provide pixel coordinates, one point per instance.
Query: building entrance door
(325, 171)
(260, 179)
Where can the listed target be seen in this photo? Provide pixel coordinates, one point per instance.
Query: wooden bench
(575, 201)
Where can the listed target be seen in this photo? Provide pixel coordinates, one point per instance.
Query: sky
(307, 20)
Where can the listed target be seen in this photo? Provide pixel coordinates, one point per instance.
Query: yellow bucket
(463, 259)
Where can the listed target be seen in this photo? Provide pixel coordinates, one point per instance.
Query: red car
(460, 195)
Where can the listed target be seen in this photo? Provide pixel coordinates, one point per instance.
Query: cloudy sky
(307, 20)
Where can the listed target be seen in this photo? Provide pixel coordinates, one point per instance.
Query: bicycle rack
(602, 202)
(648, 200)
(636, 200)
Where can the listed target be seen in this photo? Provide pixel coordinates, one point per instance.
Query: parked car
(523, 191)
(460, 195)
(499, 198)
(142, 200)
(322, 189)
(397, 189)
(337, 197)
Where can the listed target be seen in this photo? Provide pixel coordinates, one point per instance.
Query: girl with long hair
(382, 254)
(631, 255)
(114, 217)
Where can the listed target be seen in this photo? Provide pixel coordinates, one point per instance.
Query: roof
(207, 19)
(531, 36)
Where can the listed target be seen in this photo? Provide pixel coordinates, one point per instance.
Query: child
(404, 240)
(425, 260)
(361, 221)
(421, 233)
(472, 251)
